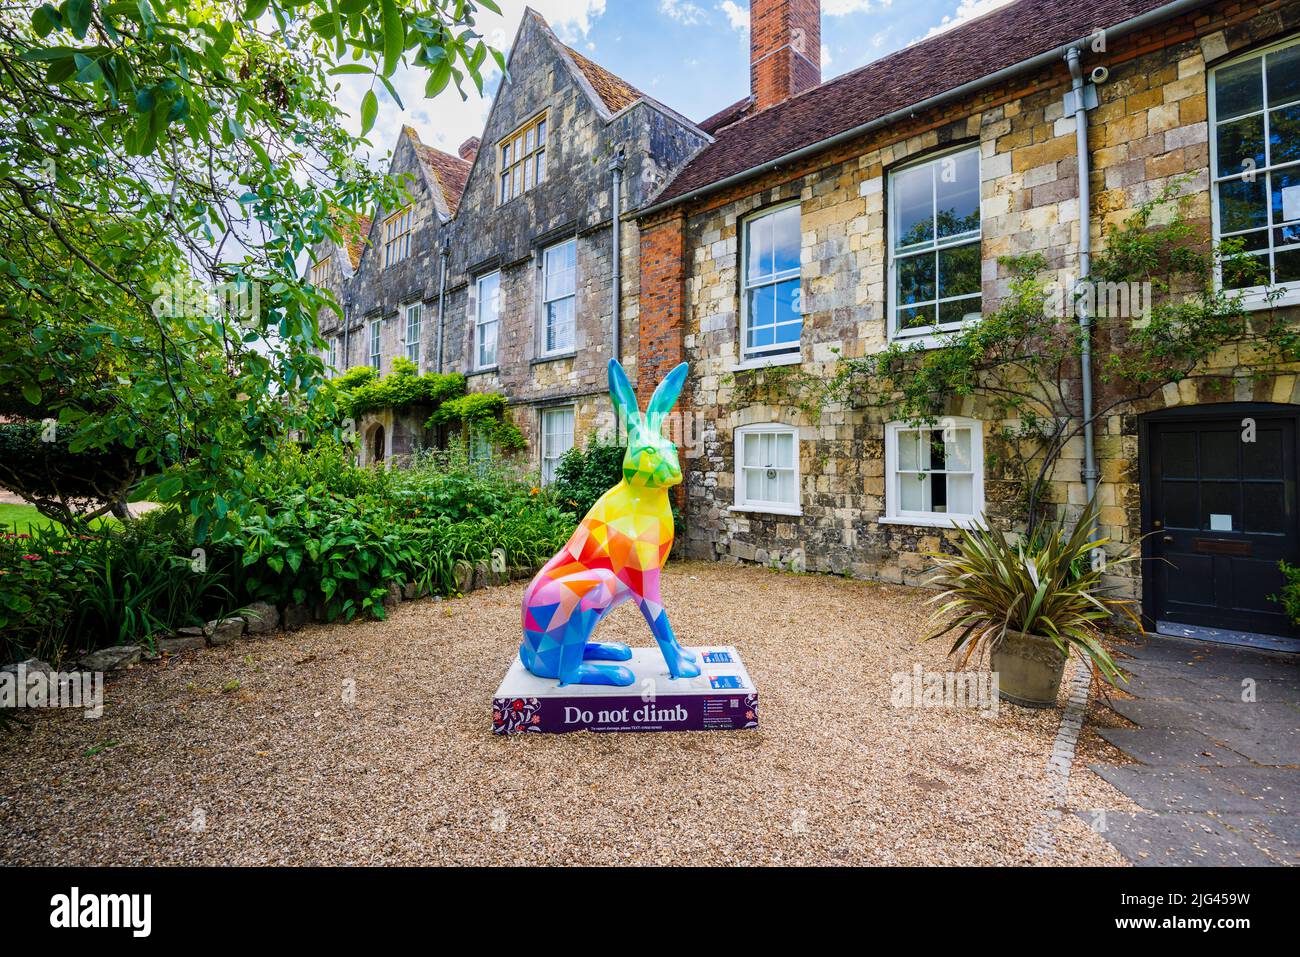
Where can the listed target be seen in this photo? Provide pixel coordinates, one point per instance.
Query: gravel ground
(252, 754)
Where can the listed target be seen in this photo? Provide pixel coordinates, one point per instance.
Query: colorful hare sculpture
(615, 554)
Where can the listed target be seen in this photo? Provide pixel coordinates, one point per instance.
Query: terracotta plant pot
(1029, 670)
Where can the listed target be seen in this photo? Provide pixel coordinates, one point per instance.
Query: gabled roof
(356, 240)
(614, 92)
(445, 171)
(962, 55)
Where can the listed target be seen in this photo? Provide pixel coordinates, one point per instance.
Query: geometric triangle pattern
(615, 555)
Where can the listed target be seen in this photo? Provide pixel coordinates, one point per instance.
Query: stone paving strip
(1217, 755)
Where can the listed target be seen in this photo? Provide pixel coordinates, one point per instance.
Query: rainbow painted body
(614, 556)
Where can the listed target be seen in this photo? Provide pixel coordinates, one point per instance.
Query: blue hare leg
(575, 670)
(607, 651)
(681, 663)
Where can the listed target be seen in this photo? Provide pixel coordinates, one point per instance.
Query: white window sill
(790, 359)
(483, 369)
(937, 521)
(1256, 299)
(767, 509)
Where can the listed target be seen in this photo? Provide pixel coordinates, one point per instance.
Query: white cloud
(966, 10)
(447, 121)
(841, 8)
(736, 15)
(683, 11)
(826, 56)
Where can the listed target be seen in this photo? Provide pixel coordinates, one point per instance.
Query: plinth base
(722, 698)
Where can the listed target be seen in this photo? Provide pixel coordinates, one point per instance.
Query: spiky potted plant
(1029, 604)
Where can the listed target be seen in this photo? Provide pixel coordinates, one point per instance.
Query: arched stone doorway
(377, 443)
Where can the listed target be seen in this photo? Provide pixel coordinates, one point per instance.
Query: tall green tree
(164, 167)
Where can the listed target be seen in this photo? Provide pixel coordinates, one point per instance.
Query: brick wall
(784, 49)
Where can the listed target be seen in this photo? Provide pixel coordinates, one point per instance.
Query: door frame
(1213, 410)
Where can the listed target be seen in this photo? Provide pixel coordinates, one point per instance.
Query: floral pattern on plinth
(516, 715)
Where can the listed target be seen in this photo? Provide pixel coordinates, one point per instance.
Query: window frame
(407, 344)
(376, 344)
(785, 353)
(523, 167)
(397, 244)
(545, 318)
(320, 269)
(929, 336)
(331, 354)
(542, 450)
(894, 513)
(740, 502)
(477, 344)
(1253, 297)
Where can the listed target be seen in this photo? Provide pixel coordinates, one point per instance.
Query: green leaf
(438, 78)
(79, 17)
(255, 9)
(44, 19)
(369, 110)
(32, 393)
(394, 36)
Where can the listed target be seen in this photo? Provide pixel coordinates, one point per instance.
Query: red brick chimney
(785, 49)
(469, 149)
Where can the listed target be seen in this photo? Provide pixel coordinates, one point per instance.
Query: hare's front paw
(681, 663)
(592, 674)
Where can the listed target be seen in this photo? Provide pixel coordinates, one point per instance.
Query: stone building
(829, 220)
(503, 265)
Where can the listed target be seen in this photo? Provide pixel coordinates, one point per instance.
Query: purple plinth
(722, 698)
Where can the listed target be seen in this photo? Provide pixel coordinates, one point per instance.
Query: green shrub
(1290, 595)
(585, 474)
(62, 592)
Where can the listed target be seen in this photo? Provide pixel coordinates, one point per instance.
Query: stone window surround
(759, 360)
(404, 312)
(934, 339)
(1255, 297)
(375, 353)
(542, 413)
(539, 146)
(477, 284)
(397, 230)
(542, 354)
(892, 514)
(738, 438)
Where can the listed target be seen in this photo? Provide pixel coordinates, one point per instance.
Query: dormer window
(320, 272)
(523, 159)
(397, 236)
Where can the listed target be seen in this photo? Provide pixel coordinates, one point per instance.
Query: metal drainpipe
(1090, 473)
(347, 319)
(443, 252)
(616, 330)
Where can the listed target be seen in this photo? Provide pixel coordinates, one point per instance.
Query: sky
(691, 55)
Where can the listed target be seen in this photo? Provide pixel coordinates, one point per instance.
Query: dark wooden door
(1221, 506)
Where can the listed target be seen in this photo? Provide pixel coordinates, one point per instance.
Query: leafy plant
(993, 586)
(1290, 594)
(586, 473)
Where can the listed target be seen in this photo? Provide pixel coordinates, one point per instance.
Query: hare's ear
(665, 397)
(624, 396)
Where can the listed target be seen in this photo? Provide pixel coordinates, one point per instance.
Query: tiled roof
(449, 172)
(727, 115)
(356, 240)
(963, 54)
(615, 93)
